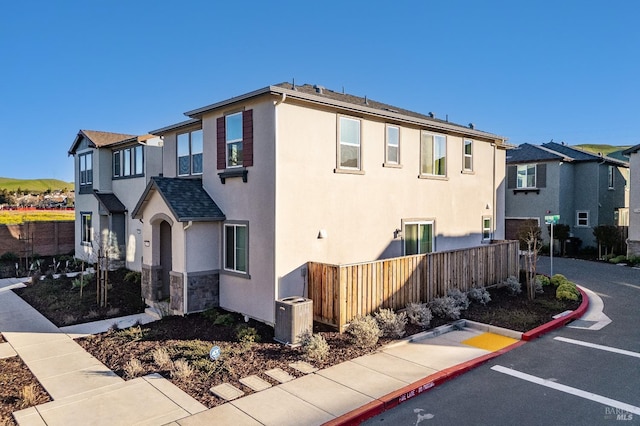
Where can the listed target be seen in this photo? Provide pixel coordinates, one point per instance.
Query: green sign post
(551, 220)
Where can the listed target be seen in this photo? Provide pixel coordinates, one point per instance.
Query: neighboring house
(256, 186)
(585, 189)
(633, 241)
(111, 172)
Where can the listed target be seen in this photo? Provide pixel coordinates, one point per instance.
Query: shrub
(445, 307)
(224, 320)
(479, 294)
(162, 358)
(92, 314)
(558, 279)
(68, 319)
(133, 277)
(112, 312)
(133, 368)
(364, 332)
(247, 336)
(460, 297)
(28, 396)
(131, 334)
(618, 259)
(543, 279)
(210, 314)
(79, 283)
(513, 286)
(567, 291)
(9, 256)
(419, 314)
(193, 349)
(314, 346)
(390, 323)
(181, 369)
(634, 260)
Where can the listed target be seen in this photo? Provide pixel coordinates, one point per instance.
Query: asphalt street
(574, 376)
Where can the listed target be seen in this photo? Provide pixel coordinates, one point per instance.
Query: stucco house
(584, 188)
(256, 186)
(633, 241)
(111, 172)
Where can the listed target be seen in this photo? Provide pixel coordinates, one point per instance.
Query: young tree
(560, 233)
(529, 236)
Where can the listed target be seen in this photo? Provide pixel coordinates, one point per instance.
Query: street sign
(553, 219)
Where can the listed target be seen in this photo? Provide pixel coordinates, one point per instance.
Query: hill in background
(613, 151)
(34, 185)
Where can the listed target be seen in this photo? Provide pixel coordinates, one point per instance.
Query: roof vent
(319, 89)
(293, 84)
(472, 126)
(431, 114)
(366, 102)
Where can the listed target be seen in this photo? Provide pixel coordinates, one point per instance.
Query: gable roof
(186, 198)
(631, 150)
(110, 202)
(98, 139)
(321, 96)
(552, 151)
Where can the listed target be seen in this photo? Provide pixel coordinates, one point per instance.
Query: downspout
(185, 280)
(276, 280)
(493, 192)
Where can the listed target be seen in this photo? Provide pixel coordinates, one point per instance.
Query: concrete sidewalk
(84, 391)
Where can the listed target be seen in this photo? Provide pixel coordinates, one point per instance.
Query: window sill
(349, 171)
(86, 244)
(127, 177)
(467, 172)
(233, 173)
(392, 165)
(526, 190)
(235, 274)
(433, 177)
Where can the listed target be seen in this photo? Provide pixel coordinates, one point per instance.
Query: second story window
(86, 168)
(393, 145)
(128, 162)
(611, 179)
(433, 154)
(233, 138)
(526, 176)
(467, 165)
(190, 153)
(349, 141)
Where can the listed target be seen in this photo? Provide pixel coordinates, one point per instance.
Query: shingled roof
(552, 151)
(100, 139)
(110, 202)
(186, 198)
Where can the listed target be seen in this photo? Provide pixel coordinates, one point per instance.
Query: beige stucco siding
(360, 212)
(202, 240)
(634, 205)
(253, 203)
(155, 211)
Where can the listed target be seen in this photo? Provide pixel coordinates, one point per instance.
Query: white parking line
(600, 347)
(568, 389)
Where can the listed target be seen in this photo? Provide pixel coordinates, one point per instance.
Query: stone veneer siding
(176, 298)
(152, 283)
(203, 290)
(633, 248)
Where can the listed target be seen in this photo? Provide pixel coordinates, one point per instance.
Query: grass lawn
(15, 217)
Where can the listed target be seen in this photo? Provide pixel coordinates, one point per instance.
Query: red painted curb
(558, 322)
(399, 396)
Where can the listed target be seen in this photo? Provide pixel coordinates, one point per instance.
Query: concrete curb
(386, 402)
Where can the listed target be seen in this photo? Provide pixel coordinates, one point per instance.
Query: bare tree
(529, 235)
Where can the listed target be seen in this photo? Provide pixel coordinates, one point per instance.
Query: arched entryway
(165, 256)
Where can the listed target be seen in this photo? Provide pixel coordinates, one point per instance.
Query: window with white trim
(433, 154)
(393, 145)
(189, 152)
(611, 178)
(233, 137)
(418, 237)
(236, 247)
(467, 161)
(582, 218)
(486, 228)
(349, 144)
(86, 231)
(85, 164)
(526, 176)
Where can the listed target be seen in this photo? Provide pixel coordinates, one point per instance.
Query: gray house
(584, 188)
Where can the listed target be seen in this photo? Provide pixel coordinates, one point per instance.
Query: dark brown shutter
(221, 144)
(512, 176)
(541, 176)
(247, 138)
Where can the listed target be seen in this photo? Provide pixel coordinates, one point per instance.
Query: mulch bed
(14, 376)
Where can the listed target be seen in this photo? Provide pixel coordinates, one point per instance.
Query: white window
(190, 153)
(236, 253)
(418, 237)
(393, 145)
(582, 218)
(86, 168)
(233, 135)
(611, 177)
(468, 155)
(86, 231)
(486, 228)
(349, 150)
(433, 154)
(526, 176)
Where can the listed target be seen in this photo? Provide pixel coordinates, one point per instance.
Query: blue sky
(530, 71)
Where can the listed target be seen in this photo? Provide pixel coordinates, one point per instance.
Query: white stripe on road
(568, 389)
(601, 347)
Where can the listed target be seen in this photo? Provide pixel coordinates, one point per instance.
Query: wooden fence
(343, 292)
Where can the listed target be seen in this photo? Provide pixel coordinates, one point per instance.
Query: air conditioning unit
(294, 315)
